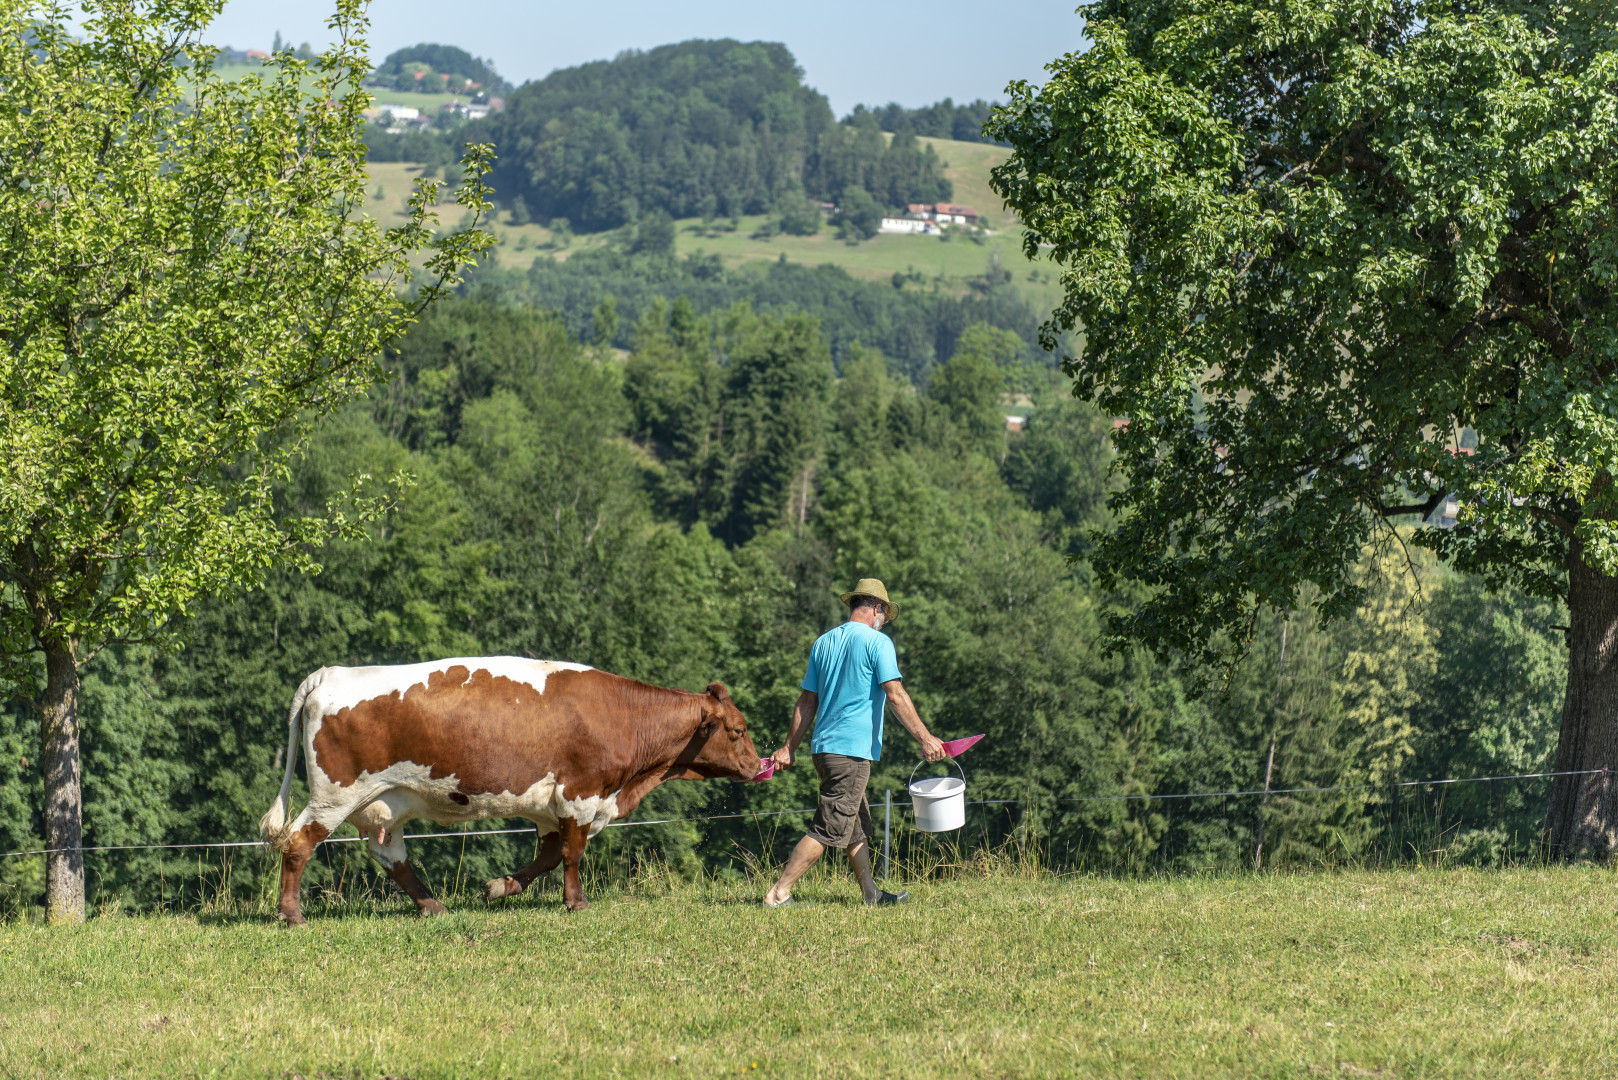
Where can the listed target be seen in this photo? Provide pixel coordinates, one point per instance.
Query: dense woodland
(687, 508)
(437, 69)
(940, 120)
(703, 129)
(913, 322)
(700, 129)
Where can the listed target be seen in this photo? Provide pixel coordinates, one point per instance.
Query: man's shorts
(842, 818)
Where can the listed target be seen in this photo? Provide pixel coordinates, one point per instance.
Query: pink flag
(957, 747)
(766, 769)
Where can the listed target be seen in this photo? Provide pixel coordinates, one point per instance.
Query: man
(852, 674)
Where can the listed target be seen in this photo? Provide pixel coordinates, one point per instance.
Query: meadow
(1404, 973)
(380, 95)
(951, 262)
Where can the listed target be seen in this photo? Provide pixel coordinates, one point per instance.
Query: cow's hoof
(501, 887)
(580, 904)
(431, 907)
(291, 918)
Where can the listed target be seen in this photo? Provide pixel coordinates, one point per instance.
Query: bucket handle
(923, 761)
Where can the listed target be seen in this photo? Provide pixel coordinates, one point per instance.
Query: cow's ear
(717, 689)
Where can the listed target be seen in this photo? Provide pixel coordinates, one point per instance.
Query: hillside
(380, 95)
(921, 260)
(699, 128)
(1331, 975)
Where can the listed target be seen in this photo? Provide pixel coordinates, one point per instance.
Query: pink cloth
(957, 747)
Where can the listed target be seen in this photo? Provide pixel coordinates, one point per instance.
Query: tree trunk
(64, 802)
(1582, 819)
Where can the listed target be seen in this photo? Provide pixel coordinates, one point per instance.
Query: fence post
(1269, 769)
(887, 824)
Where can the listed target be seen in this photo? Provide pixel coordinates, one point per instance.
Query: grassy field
(967, 166)
(949, 262)
(1351, 974)
(427, 103)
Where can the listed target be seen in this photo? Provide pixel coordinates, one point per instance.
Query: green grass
(427, 103)
(1405, 973)
(966, 166)
(948, 263)
(951, 261)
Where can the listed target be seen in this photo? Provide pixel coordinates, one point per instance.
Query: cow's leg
(548, 859)
(293, 859)
(574, 837)
(388, 848)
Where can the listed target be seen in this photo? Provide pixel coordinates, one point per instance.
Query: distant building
(256, 54)
(911, 225)
(1016, 423)
(955, 213)
(943, 213)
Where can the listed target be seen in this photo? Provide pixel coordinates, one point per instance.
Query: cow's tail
(272, 827)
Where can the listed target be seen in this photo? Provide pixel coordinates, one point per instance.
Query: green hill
(920, 260)
(699, 128)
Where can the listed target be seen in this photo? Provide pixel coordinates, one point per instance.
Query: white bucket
(939, 802)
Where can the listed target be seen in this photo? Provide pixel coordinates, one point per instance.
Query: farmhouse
(911, 225)
(399, 113)
(943, 213)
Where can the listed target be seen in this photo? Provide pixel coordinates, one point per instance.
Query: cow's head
(724, 748)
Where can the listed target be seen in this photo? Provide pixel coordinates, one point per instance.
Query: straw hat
(872, 587)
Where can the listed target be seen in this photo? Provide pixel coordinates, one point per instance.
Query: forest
(698, 129)
(437, 69)
(941, 120)
(602, 292)
(686, 507)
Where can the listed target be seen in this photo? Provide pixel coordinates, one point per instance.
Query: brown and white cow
(565, 746)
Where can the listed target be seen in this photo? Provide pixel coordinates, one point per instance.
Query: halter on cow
(565, 746)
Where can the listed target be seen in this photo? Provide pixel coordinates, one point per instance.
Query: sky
(853, 51)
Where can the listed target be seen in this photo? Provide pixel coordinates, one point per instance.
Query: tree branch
(1425, 509)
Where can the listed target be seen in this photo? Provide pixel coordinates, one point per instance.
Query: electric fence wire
(780, 813)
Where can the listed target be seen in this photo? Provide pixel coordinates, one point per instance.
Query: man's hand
(783, 757)
(931, 748)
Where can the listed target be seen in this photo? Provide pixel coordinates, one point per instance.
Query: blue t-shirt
(847, 668)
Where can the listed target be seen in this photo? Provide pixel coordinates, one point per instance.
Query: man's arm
(905, 710)
(803, 716)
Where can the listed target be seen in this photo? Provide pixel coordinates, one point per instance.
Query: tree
(442, 60)
(190, 284)
(1315, 253)
(970, 385)
(859, 217)
(654, 235)
(799, 217)
(779, 377)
